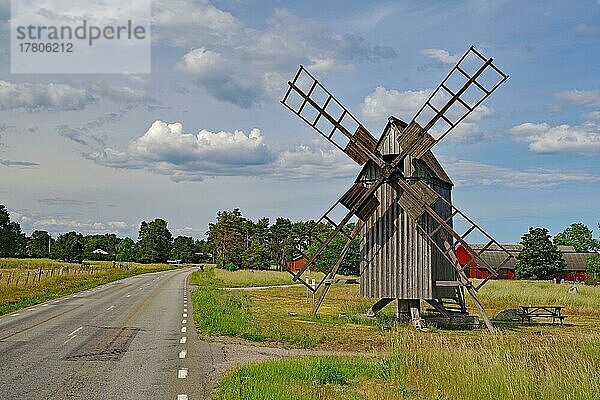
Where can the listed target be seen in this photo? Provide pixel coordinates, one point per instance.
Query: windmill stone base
(409, 311)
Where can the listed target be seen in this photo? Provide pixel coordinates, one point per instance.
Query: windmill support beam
(378, 306)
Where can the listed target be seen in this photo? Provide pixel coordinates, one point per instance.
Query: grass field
(541, 361)
(16, 297)
(436, 367)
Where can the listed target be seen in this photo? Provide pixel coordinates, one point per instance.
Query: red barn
(575, 270)
(296, 264)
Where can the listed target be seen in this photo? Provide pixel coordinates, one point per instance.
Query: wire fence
(32, 277)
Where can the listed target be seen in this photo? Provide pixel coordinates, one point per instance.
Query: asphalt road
(131, 339)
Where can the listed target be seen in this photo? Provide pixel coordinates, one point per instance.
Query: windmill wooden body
(401, 200)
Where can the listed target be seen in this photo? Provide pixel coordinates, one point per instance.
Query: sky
(205, 131)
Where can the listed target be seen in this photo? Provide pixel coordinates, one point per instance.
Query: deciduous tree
(184, 249)
(68, 247)
(579, 236)
(154, 242)
(126, 249)
(39, 244)
(540, 258)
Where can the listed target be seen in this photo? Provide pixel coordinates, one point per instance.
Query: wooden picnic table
(538, 311)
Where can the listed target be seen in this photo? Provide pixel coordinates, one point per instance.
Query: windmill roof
(428, 158)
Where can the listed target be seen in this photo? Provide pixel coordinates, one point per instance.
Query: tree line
(235, 242)
(239, 242)
(232, 242)
(155, 244)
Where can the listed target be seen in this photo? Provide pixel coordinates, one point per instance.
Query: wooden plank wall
(397, 260)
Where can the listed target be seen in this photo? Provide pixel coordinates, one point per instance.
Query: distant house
(100, 251)
(575, 270)
(296, 264)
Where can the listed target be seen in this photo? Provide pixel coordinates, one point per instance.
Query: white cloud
(472, 173)
(584, 98)
(168, 142)
(201, 63)
(63, 97)
(381, 103)
(543, 138)
(167, 150)
(217, 76)
(592, 115)
(374, 15)
(37, 96)
(442, 56)
(116, 93)
(185, 23)
(60, 225)
(249, 65)
(315, 159)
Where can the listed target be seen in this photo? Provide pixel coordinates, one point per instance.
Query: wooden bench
(536, 311)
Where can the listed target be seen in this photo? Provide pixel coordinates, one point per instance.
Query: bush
(230, 267)
(590, 280)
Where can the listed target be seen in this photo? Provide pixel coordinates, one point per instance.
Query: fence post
(52, 272)
(40, 275)
(9, 277)
(27, 279)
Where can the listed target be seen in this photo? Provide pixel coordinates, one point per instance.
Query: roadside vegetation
(284, 314)
(392, 361)
(14, 296)
(426, 366)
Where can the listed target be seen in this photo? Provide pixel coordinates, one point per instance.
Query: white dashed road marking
(184, 315)
(110, 308)
(182, 397)
(69, 339)
(183, 339)
(183, 329)
(128, 295)
(31, 309)
(182, 373)
(185, 310)
(184, 321)
(75, 331)
(182, 353)
(14, 315)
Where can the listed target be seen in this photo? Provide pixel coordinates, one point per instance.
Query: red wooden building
(296, 264)
(575, 261)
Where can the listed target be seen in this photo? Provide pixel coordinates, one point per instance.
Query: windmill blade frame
(451, 102)
(316, 107)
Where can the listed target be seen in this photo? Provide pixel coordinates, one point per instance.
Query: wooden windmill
(411, 246)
